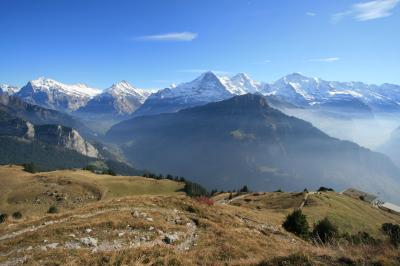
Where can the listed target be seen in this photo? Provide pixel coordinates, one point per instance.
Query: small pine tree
(109, 172)
(90, 168)
(30, 167)
(17, 215)
(3, 217)
(53, 209)
(324, 189)
(296, 223)
(244, 189)
(325, 231)
(230, 196)
(393, 231)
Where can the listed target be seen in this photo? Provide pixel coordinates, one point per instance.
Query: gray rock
(89, 241)
(170, 238)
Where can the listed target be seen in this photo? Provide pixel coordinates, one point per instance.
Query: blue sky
(153, 43)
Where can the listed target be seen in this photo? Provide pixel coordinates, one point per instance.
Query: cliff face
(65, 137)
(56, 135)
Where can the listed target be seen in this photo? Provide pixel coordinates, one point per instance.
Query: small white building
(390, 207)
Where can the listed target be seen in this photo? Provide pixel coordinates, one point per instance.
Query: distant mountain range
(210, 130)
(243, 140)
(292, 91)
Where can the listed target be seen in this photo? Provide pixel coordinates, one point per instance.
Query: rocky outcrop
(65, 137)
(55, 135)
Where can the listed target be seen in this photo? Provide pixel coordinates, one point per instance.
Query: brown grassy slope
(33, 194)
(350, 215)
(132, 231)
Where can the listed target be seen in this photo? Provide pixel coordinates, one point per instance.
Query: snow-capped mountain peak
(5, 88)
(120, 99)
(206, 80)
(207, 87)
(53, 94)
(48, 85)
(125, 89)
(245, 83)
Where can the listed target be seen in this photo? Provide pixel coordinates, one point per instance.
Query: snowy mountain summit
(204, 89)
(310, 91)
(56, 95)
(241, 84)
(124, 89)
(5, 88)
(120, 99)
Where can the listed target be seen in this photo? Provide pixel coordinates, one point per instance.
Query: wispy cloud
(198, 71)
(264, 62)
(172, 36)
(324, 59)
(368, 10)
(311, 14)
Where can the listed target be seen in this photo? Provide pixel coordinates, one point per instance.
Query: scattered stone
(121, 234)
(88, 230)
(135, 214)
(151, 228)
(149, 219)
(52, 245)
(29, 248)
(72, 245)
(170, 238)
(72, 235)
(89, 241)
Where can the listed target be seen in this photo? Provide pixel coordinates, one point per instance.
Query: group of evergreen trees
(195, 190)
(191, 189)
(161, 176)
(324, 231)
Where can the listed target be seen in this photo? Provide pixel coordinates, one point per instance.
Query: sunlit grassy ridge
(33, 194)
(115, 220)
(349, 214)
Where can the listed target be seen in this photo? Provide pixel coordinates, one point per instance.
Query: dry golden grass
(349, 214)
(131, 218)
(33, 194)
(222, 235)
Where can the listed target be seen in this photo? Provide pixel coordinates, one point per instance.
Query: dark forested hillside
(19, 151)
(244, 141)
